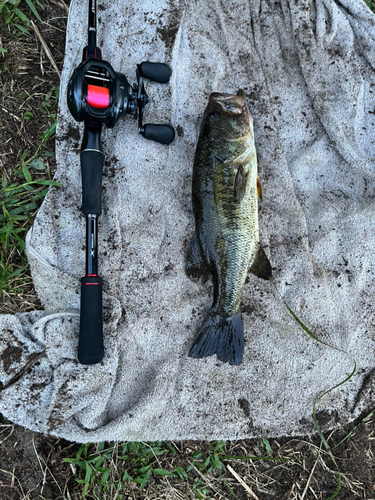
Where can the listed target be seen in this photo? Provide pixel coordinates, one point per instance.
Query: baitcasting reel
(97, 93)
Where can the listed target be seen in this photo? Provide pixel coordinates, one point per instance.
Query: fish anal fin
(259, 189)
(261, 266)
(240, 184)
(195, 265)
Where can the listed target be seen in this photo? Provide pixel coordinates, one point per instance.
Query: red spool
(97, 97)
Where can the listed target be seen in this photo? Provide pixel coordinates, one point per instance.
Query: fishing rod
(98, 95)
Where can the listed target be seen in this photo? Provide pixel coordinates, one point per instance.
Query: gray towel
(308, 70)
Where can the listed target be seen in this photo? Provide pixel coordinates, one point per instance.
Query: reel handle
(90, 344)
(160, 133)
(156, 72)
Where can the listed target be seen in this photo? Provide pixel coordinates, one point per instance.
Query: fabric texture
(308, 70)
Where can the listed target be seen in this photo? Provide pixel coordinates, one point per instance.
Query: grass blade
(320, 396)
(33, 10)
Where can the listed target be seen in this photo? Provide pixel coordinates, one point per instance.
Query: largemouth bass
(226, 239)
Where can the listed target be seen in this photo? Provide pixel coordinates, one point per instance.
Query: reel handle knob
(160, 133)
(157, 72)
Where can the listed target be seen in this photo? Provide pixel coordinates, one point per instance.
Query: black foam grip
(159, 133)
(92, 170)
(157, 72)
(90, 346)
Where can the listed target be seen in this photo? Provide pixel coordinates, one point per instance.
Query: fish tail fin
(220, 336)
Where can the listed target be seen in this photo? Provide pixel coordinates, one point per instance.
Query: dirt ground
(31, 465)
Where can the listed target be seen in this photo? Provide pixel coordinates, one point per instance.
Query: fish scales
(225, 204)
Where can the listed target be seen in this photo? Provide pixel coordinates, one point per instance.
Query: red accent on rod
(90, 275)
(91, 284)
(97, 97)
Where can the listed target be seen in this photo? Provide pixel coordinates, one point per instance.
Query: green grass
(50, 104)
(21, 194)
(18, 201)
(141, 461)
(139, 464)
(16, 19)
(12, 278)
(114, 471)
(23, 188)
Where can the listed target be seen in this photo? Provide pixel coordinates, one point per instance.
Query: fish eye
(214, 115)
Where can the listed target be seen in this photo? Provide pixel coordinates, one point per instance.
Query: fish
(225, 244)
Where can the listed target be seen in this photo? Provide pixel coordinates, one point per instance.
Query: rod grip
(90, 345)
(160, 133)
(156, 72)
(92, 171)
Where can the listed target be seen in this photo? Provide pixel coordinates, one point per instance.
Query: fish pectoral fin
(195, 265)
(240, 184)
(259, 189)
(261, 266)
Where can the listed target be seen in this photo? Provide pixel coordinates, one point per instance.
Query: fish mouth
(229, 102)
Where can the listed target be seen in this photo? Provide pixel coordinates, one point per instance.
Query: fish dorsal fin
(259, 189)
(240, 184)
(261, 266)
